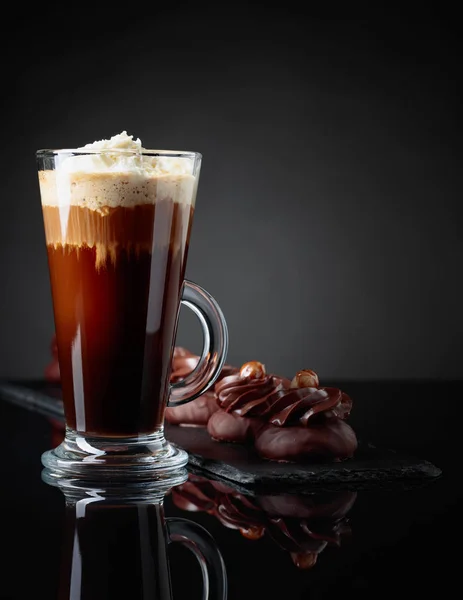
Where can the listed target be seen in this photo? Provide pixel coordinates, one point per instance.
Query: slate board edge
(293, 481)
(259, 488)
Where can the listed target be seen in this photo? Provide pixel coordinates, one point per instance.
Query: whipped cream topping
(117, 172)
(120, 141)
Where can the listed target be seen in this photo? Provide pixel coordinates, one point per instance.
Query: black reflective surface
(396, 540)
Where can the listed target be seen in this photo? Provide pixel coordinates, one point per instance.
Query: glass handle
(202, 544)
(215, 347)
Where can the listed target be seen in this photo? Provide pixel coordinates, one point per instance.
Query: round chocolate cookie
(333, 439)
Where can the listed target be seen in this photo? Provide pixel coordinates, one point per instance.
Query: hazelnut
(252, 532)
(253, 370)
(304, 560)
(305, 378)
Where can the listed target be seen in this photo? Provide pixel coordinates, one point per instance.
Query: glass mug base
(145, 457)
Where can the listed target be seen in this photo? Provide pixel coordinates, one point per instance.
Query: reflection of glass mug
(117, 227)
(116, 544)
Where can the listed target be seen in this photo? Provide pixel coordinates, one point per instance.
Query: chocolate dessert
(286, 421)
(302, 525)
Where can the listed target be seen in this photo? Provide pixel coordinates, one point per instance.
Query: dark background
(328, 218)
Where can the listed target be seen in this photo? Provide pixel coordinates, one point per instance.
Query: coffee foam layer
(97, 191)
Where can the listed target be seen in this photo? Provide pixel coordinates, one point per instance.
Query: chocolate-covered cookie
(284, 421)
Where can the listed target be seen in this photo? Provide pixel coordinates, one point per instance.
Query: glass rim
(50, 152)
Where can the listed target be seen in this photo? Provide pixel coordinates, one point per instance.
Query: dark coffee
(116, 278)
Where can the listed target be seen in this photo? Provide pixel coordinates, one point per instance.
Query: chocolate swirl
(269, 398)
(239, 394)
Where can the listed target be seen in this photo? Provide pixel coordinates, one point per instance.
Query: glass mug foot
(149, 457)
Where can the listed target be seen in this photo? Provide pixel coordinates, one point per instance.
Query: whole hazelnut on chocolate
(253, 369)
(305, 378)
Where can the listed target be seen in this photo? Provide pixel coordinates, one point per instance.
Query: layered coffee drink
(117, 226)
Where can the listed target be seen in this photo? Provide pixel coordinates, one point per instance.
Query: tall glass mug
(117, 226)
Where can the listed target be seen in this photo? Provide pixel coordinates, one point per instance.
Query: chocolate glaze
(246, 396)
(229, 427)
(286, 424)
(332, 439)
(271, 399)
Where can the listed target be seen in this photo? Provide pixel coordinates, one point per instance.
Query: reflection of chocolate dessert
(285, 421)
(302, 525)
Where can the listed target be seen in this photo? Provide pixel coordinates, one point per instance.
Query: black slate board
(370, 468)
